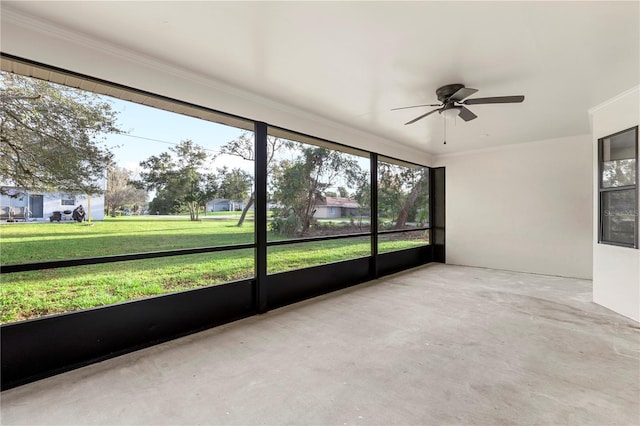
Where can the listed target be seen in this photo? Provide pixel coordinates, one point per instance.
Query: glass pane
(619, 166)
(402, 240)
(403, 195)
(619, 212)
(134, 178)
(620, 147)
(302, 255)
(618, 173)
(316, 188)
(33, 294)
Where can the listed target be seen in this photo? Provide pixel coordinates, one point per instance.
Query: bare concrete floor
(436, 345)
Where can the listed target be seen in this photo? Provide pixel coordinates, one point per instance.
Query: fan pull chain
(445, 131)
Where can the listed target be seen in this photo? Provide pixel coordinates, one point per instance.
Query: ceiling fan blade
(421, 117)
(462, 93)
(416, 106)
(495, 100)
(466, 114)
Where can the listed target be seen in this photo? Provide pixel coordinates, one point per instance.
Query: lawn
(27, 295)
(22, 243)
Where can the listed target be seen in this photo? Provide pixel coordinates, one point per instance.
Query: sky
(151, 131)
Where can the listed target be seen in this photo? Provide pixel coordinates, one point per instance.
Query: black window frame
(40, 347)
(604, 190)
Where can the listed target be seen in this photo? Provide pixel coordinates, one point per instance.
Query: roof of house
(339, 202)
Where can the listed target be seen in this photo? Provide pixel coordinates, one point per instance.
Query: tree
(400, 191)
(243, 147)
(50, 136)
(299, 184)
(620, 172)
(120, 192)
(178, 174)
(362, 194)
(164, 203)
(417, 191)
(233, 184)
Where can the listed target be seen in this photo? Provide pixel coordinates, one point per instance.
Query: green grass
(301, 255)
(36, 293)
(32, 294)
(23, 243)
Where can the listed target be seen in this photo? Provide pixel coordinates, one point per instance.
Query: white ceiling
(351, 62)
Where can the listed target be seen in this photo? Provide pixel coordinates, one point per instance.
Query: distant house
(19, 204)
(336, 207)
(22, 205)
(224, 205)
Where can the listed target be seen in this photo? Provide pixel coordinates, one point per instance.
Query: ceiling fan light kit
(450, 113)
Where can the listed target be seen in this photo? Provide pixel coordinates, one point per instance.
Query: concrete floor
(435, 345)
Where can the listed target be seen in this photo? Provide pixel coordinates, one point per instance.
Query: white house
(224, 205)
(336, 207)
(36, 206)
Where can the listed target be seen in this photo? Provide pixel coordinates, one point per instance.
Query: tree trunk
(246, 209)
(193, 211)
(408, 204)
(308, 213)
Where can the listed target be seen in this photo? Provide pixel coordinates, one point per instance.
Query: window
(191, 205)
(403, 205)
(196, 218)
(184, 203)
(618, 188)
(319, 192)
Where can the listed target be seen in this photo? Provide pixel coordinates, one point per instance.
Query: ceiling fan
(451, 102)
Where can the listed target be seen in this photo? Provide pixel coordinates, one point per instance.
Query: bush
(284, 225)
(385, 226)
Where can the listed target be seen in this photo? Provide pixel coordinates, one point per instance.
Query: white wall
(523, 207)
(616, 270)
(52, 202)
(97, 206)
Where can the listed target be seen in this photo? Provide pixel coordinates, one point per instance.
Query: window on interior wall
(618, 188)
(403, 205)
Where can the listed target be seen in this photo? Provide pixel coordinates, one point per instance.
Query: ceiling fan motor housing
(445, 92)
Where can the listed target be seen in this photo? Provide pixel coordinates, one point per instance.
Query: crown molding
(634, 90)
